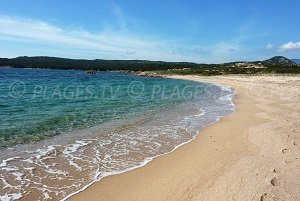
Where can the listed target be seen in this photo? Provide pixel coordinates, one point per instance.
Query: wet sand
(252, 154)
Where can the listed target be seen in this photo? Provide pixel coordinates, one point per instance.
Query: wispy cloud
(119, 15)
(36, 37)
(269, 46)
(103, 44)
(289, 46)
(107, 44)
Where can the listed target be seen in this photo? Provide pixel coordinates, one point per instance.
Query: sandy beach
(252, 154)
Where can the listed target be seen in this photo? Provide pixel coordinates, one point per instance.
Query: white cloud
(269, 46)
(290, 46)
(35, 37)
(103, 45)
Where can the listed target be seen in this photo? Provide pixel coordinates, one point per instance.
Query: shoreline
(150, 159)
(211, 155)
(72, 168)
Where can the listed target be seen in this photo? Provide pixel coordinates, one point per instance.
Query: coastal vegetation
(275, 65)
(229, 69)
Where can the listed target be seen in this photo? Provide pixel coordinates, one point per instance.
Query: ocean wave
(65, 165)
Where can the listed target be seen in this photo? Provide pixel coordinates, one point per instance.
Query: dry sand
(252, 154)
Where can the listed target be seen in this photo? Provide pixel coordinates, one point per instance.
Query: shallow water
(61, 131)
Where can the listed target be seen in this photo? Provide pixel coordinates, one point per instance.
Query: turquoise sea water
(37, 104)
(62, 130)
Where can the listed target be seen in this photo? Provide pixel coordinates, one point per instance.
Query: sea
(63, 130)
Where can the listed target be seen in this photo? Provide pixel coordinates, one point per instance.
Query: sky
(201, 31)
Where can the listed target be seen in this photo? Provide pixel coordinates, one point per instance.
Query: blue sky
(208, 31)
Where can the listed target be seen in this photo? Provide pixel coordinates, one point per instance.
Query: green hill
(278, 60)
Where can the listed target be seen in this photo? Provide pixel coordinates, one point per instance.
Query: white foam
(7, 185)
(46, 195)
(18, 175)
(57, 172)
(105, 159)
(10, 197)
(44, 152)
(4, 162)
(100, 175)
(75, 165)
(74, 147)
